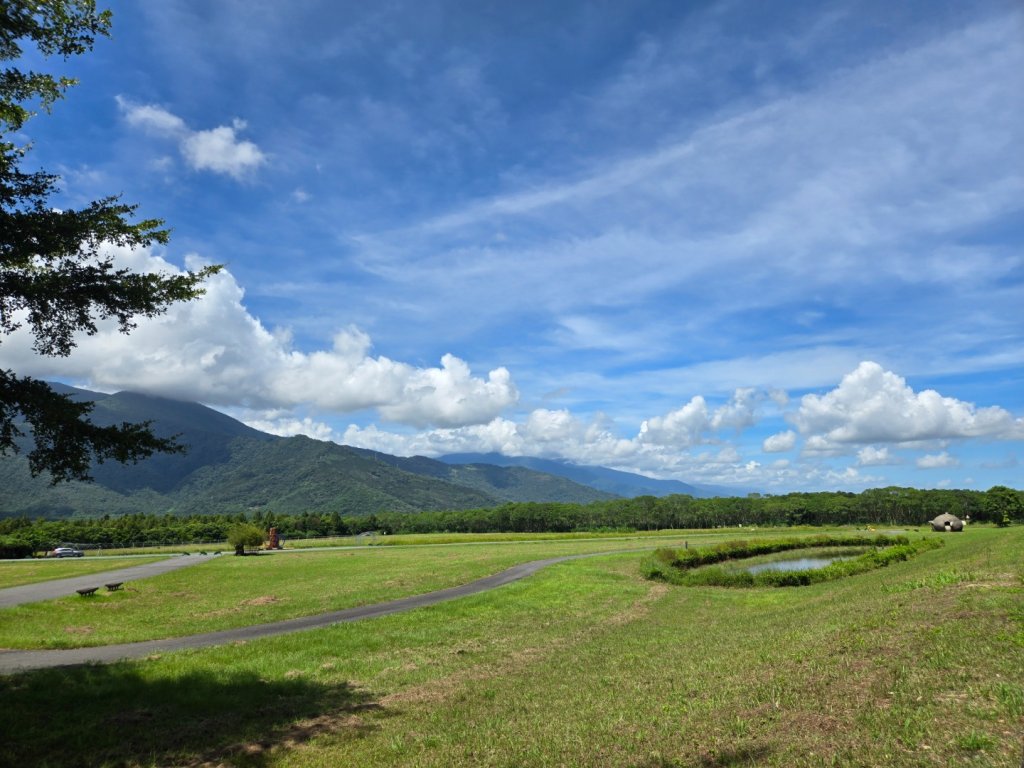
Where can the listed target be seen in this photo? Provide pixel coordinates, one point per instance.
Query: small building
(947, 522)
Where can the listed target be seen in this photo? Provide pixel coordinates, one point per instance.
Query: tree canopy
(57, 275)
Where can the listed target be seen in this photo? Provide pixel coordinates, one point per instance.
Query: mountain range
(230, 467)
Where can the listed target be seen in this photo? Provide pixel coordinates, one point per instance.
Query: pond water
(799, 564)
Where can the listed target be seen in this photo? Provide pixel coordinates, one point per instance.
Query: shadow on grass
(124, 714)
(725, 758)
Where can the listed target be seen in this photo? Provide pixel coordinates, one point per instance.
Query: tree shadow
(746, 755)
(125, 714)
(750, 755)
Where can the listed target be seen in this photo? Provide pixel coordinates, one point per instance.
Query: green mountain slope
(231, 468)
(505, 483)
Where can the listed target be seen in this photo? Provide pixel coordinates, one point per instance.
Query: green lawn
(920, 663)
(14, 573)
(238, 591)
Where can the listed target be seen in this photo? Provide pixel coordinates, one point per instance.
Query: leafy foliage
(55, 276)
(242, 535)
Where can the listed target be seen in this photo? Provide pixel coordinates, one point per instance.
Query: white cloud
(937, 461)
(212, 350)
(152, 119)
(741, 410)
(870, 456)
(559, 434)
(872, 405)
(288, 427)
(217, 149)
(450, 396)
(779, 443)
(682, 427)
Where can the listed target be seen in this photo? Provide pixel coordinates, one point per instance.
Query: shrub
(242, 535)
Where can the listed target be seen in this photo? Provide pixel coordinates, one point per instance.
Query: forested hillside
(230, 468)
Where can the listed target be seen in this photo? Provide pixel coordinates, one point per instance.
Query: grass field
(426, 539)
(231, 592)
(584, 664)
(14, 573)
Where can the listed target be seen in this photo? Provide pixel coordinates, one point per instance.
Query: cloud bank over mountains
(215, 351)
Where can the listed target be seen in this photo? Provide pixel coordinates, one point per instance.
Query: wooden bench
(86, 591)
(114, 586)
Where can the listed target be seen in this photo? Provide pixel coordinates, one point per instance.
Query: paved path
(48, 590)
(16, 661)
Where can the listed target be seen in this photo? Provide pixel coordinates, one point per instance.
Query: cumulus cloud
(212, 350)
(450, 396)
(218, 149)
(287, 426)
(779, 443)
(686, 426)
(872, 405)
(870, 456)
(937, 461)
(681, 427)
(741, 410)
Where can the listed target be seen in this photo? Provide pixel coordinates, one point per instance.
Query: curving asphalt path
(19, 661)
(49, 590)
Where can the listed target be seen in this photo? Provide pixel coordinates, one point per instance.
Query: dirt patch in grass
(263, 600)
(79, 630)
(254, 602)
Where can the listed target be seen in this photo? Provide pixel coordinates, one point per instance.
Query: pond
(798, 564)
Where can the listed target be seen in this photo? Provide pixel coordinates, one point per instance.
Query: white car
(67, 552)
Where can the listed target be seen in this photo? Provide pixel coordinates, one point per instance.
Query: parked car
(67, 552)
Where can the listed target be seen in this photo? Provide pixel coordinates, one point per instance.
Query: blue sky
(768, 245)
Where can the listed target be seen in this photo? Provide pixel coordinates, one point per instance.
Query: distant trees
(886, 506)
(1003, 504)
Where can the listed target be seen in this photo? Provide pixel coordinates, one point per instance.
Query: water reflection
(801, 564)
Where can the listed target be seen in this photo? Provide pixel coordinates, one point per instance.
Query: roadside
(48, 590)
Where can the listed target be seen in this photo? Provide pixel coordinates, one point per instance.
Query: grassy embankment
(586, 663)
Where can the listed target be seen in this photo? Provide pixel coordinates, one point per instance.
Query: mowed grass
(15, 573)
(584, 664)
(421, 539)
(233, 591)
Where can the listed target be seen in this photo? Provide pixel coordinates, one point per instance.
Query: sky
(772, 246)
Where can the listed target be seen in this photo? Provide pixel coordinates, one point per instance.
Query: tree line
(885, 506)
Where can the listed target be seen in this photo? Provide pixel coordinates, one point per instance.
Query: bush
(242, 535)
(14, 550)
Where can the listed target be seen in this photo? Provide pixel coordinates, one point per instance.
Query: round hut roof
(944, 521)
(947, 518)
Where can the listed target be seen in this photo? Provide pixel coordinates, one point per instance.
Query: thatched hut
(947, 522)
